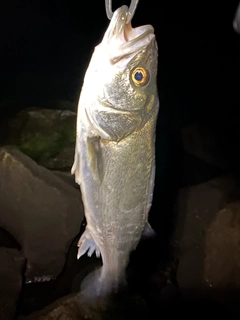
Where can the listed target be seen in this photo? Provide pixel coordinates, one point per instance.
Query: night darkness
(46, 46)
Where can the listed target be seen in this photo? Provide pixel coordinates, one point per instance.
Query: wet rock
(40, 210)
(222, 249)
(207, 238)
(47, 136)
(11, 271)
(75, 307)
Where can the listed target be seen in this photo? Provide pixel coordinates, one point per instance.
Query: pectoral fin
(94, 156)
(148, 231)
(76, 166)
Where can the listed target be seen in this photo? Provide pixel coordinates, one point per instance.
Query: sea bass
(115, 148)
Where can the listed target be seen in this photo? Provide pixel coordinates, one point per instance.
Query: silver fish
(236, 20)
(115, 148)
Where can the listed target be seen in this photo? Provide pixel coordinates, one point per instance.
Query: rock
(7, 240)
(66, 308)
(74, 307)
(67, 177)
(202, 142)
(196, 171)
(40, 210)
(207, 238)
(11, 271)
(47, 136)
(222, 253)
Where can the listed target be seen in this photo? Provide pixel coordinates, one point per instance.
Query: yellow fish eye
(140, 76)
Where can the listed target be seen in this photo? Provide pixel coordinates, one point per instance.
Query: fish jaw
(122, 40)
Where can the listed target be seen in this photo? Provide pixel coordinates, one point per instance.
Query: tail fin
(101, 285)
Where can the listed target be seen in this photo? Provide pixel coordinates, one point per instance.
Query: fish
(236, 20)
(114, 161)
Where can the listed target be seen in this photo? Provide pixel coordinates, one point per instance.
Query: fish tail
(102, 283)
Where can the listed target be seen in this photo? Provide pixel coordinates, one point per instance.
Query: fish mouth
(123, 40)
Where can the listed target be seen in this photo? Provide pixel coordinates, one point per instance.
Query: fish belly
(116, 199)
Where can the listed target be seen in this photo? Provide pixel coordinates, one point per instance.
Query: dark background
(46, 46)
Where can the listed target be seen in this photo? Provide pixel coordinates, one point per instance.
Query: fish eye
(140, 76)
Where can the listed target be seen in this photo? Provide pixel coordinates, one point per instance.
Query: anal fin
(87, 244)
(148, 231)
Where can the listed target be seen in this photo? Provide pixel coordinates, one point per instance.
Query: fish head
(123, 68)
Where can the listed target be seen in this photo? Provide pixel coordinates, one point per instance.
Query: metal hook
(131, 11)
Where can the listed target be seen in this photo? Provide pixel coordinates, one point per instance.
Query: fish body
(236, 20)
(115, 148)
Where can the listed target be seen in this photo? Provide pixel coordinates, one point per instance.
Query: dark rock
(47, 136)
(207, 239)
(203, 142)
(75, 307)
(11, 271)
(196, 170)
(216, 143)
(222, 249)
(59, 104)
(8, 241)
(40, 210)
(67, 177)
(169, 292)
(67, 308)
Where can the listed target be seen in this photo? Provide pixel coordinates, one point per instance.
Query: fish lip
(122, 39)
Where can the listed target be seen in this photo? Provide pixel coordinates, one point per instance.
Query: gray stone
(11, 271)
(67, 177)
(222, 249)
(207, 237)
(47, 136)
(40, 210)
(67, 308)
(76, 307)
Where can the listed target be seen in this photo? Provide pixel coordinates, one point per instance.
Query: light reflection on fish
(115, 148)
